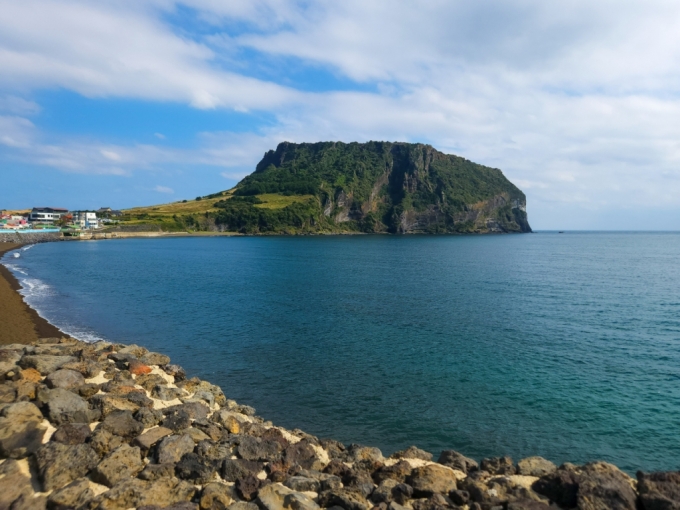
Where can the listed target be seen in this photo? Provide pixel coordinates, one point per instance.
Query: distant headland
(341, 188)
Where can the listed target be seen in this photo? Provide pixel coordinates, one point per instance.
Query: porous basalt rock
(109, 426)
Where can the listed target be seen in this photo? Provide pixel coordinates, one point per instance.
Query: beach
(20, 323)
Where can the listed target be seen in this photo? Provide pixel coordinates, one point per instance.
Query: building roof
(49, 209)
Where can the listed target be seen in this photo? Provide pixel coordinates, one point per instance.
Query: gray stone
(172, 448)
(45, 364)
(135, 493)
(72, 433)
(64, 406)
(21, 430)
(149, 381)
(59, 464)
(148, 417)
(457, 461)
(196, 469)
(535, 466)
(30, 502)
(134, 350)
(107, 404)
(103, 442)
(302, 484)
(383, 493)
(431, 479)
(302, 454)
(123, 462)
(194, 410)
(14, 484)
(122, 423)
(498, 466)
(74, 495)
(177, 421)
(155, 471)
(151, 437)
(243, 505)
(346, 498)
(412, 453)
(359, 453)
(166, 393)
(278, 497)
(234, 469)
(254, 448)
(155, 358)
(88, 390)
(216, 496)
(659, 491)
(66, 379)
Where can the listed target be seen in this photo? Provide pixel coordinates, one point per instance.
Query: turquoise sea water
(560, 345)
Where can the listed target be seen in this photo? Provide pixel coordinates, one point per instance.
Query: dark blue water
(565, 346)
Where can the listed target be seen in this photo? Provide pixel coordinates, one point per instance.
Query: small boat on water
(561, 232)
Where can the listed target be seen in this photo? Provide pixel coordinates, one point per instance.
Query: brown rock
(248, 486)
(13, 484)
(135, 493)
(172, 448)
(21, 430)
(66, 379)
(123, 462)
(155, 471)
(31, 374)
(59, 464)
(74, 495)
(455, 460)
(430, 479)
(138, 368)
(498, 466)
(151, 437)
(72, 433)
(412, 453)
(535, 466)
(215, 496)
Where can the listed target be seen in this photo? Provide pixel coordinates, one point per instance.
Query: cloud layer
(577, 102)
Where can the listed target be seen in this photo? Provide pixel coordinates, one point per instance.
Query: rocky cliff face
(388, 187)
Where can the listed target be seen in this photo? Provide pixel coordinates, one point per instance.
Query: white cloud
(577, 102)
(110, 155)
(163, 189)
(160, 136)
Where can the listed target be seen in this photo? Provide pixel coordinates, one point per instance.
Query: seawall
(29, 237)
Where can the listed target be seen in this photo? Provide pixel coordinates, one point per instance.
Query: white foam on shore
(41, 297)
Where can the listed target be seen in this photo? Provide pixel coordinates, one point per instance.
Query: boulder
(243, 505)
(346, 498)
(45, 364)
(123, 462)
(162, 392)
(199, 470)
(248, 487)
(88, 390)
(535, 466)
(194, 410)
(21, 430)
(172, 448)
(103, 442)
(59, 464)
(148, 417)
(398, 472)
(383, 493)
(136, 367)
(498, 466)
(31, 375)
(278, 497)
(149, 381)
(155, 471)
(155, 358)
(134, 350)
(358, 453)
(177, 421)
(304, 455)
(151, 437)
(595, 486)
(412, 453)
(659, 491)
(107, 404)
(13, 484)
(175, 371)
(64, 406)
(123, 424)
(458, 461)
(66, 379)
(254, 448)
(30, 502)
(431, 479)
(302, 484)
(216, 496)
(135, 493)
(234, 469)
(74, 495)
(72, 433)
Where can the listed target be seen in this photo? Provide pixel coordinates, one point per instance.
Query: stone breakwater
(112, 426)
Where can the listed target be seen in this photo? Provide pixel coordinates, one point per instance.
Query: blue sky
(124, 103)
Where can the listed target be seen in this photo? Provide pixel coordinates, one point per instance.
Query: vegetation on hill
(356, 187)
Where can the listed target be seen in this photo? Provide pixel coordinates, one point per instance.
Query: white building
(85, 219)
(46, 214)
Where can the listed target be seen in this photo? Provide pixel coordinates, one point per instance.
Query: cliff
(372, 187)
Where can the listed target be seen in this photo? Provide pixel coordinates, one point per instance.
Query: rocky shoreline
(112, 426)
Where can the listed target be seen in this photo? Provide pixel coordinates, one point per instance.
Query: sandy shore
(20, 323)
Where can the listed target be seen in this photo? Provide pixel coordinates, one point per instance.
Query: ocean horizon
(563, 346)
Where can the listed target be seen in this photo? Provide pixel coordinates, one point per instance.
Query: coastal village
(57, 219)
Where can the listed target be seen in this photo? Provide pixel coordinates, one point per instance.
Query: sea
(563, 345)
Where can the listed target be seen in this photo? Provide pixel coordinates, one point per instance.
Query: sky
(133, 102)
